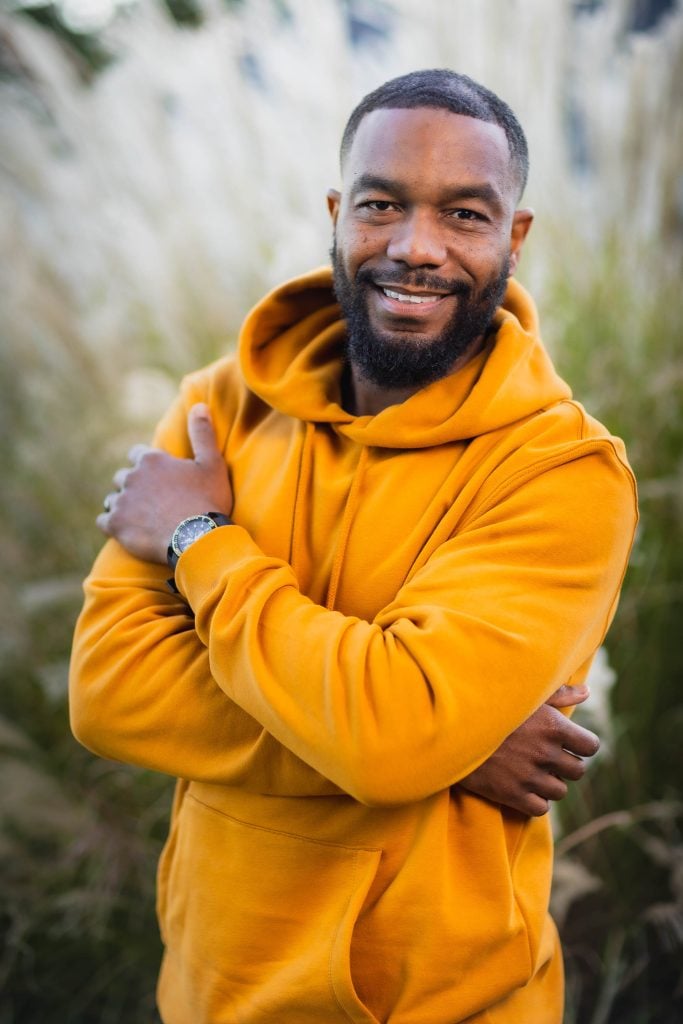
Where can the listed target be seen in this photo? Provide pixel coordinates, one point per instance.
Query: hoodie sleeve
(390, 711)
(141, 688)
(399, 708)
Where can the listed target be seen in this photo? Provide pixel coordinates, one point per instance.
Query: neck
(363, 397)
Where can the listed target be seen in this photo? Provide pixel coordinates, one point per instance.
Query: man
(419, 541)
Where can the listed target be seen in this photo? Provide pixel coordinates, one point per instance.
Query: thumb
(567, 696)
(202, 435)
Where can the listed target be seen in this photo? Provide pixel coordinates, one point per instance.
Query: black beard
(385, 361)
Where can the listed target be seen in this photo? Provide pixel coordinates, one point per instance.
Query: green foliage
(79, 837)
(79, 842)
(623, 935)
(145, 212)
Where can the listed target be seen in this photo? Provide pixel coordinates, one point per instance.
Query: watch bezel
(177, 547)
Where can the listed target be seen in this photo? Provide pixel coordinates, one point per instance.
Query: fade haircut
(443, 89)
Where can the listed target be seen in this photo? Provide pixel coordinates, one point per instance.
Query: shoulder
(220, 386)
(567, 447)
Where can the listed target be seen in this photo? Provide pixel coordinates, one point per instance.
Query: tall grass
(142, 210)
(624, 825)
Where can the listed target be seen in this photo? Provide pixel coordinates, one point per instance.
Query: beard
(388, 362)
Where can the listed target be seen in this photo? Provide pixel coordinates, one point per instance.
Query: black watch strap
(172, 552)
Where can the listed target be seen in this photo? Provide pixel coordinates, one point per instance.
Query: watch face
(189, 531)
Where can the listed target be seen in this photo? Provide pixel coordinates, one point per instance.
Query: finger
(102, 523)
(137, 451)
(561, 731)
(567, 696)
(578, 740)
(109, 501)
(535, 805)
(568, 766)
(202, 435)
(119, 478)
(548, 787)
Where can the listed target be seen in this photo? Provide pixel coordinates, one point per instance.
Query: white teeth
(403, 297)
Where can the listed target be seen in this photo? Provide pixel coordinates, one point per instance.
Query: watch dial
(191, 530)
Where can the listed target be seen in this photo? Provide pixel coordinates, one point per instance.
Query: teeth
(403, 297)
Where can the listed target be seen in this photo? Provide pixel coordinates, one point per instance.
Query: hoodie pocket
(260, 920)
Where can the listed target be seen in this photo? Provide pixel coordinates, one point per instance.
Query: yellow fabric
(400, 593)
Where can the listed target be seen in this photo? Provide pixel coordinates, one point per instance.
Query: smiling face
(426, 235)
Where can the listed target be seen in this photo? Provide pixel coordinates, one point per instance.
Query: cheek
(355, 248)
(484, 260)
(358, 240)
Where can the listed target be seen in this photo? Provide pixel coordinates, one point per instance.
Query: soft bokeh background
(161, 165)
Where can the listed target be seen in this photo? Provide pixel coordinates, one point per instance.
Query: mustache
(413, 279)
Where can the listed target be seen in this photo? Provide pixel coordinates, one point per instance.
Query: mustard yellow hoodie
(401, 592)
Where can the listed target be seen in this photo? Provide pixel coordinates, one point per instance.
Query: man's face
(426, 236)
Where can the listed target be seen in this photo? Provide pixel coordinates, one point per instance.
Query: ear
(521, 222)
(333, 202)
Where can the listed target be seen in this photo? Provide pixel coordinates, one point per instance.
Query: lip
(409, 310)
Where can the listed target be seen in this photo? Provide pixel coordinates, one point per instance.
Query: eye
(378, 205)
(465, 214)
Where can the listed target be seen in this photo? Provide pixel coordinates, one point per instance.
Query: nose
(417, 241)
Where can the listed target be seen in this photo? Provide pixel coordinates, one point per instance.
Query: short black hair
(444, 89)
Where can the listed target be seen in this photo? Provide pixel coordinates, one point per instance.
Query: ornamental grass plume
(147, 200)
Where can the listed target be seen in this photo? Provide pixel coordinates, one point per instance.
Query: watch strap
(219, 518)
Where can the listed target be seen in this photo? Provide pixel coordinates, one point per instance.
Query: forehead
(430, 146)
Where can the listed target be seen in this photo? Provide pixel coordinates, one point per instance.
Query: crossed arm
(526, 771)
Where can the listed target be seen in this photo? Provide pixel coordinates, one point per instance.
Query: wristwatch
(190, 530)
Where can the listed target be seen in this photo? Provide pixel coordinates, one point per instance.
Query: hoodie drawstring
(345, 528)
(299, 519)
(302, 484)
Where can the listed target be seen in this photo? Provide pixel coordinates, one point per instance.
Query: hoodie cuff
(222, 560)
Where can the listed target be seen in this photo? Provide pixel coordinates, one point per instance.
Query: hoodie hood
(291, 353)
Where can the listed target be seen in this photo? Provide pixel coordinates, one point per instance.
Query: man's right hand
(158, 491)
(529, 768)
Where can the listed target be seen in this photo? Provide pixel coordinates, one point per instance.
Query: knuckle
(556, 725)
(562, 725)
(547, 756)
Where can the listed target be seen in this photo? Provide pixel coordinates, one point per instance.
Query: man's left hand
(158, 491)
(528, 769)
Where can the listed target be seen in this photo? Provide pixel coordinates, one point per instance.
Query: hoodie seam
(584, 448)
(282, 832)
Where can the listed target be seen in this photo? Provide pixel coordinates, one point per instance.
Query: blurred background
(161, 165)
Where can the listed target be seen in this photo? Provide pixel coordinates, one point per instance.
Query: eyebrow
(480, 190)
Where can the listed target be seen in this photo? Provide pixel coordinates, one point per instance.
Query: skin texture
(428, 207)
(158, 491)
(529, 768)
(437, 219)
